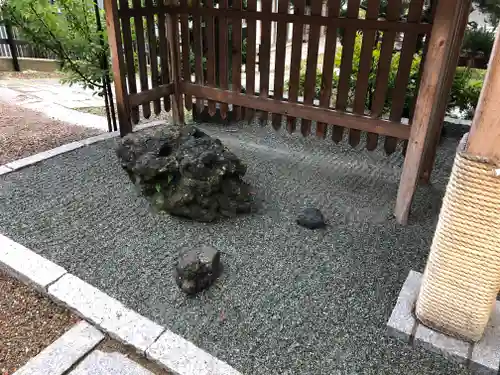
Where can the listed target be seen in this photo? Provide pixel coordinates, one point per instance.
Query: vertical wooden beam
(172, 21)
(118, 64)
(450, 15)
(448, 74)
(484, 136)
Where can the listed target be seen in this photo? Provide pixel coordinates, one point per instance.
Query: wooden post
(484, 136)
(115, 37)
(12, 44)
(450, 15)
(449, 74)
(172, 21)
(460, 281)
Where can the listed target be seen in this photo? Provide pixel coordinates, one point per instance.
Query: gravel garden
(288, 300)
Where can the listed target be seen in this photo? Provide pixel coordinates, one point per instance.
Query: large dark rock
(186, 172)
(311, 218)
(197, 269)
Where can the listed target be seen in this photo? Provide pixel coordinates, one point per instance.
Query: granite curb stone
(63, 353)
(483, 357)
(28, 266)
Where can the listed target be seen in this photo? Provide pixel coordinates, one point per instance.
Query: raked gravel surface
(290, 300)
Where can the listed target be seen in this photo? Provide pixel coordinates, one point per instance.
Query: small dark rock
(197, 269)
(185, 172)
(311, 218)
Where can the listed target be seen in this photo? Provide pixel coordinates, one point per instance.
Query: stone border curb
(162, 346)
(62, 354)
(483, 356)
(68, 147)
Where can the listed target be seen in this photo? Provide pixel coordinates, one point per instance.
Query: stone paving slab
(63, 353)
(482, 357)
(402, 320)
(449, 347)
(101, 363)
(36, 158)
(485, 356)
(28, 266)
(107, 313)
(183, 357)
(4, 170)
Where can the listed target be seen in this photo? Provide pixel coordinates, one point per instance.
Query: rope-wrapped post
(462, 276)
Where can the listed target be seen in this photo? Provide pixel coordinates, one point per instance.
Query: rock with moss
(185, 172)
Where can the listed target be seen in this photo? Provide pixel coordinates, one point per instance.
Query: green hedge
(412, 82)
(466, 89)
(464, 95)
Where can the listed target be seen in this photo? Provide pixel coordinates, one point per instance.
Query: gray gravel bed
(290, 301)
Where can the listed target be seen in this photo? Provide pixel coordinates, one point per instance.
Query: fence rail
(298, 82)
(13, 46)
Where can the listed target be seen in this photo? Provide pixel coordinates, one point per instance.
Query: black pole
(112, 106)
(106, 81)
(12, 44)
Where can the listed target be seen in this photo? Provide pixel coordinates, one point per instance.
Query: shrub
(478, 42)
(465, 91)
(411, 87)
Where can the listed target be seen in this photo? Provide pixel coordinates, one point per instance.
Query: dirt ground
(30, 74)
(24, 132)
(29, 322)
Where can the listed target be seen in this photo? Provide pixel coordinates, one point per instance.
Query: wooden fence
(205, 63)
(12, 45)
(362, 76)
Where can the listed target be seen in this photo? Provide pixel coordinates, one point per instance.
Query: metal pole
(106, 81)
(12, 44)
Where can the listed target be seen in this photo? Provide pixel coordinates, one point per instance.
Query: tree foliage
(68, 29)
(491, 8)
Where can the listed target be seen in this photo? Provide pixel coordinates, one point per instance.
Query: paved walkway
(54, 99)
(85, 350)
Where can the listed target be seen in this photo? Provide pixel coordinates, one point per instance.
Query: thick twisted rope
(462, 276)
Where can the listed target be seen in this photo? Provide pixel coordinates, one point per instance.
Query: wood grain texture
(251, 54)
(211, 61)
(328, 63)
(365, 68)
(198, 56)
(129, 58)
(484, 137)
(293, 89)
(265, 56)
(450, 15)
(311, 65)
(163, 50)
(346, 65)
(152, 94)
(299, 110)
(343, 22)
(384, 63)
(153, 55)
(141, 56)
(279, 70)
(223, 56)
(236, 56)
(118, 65)
(172, 26)
(404, 69)
(186, 49)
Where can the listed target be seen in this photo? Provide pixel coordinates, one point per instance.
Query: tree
(491, 8)
(68, 29)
